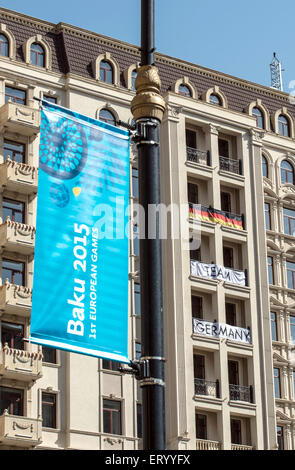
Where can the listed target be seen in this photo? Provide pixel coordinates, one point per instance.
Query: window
(199, 366)
(290, 275)
(111, 365)
(264, 167)
(12, 400)
(4, 46)
(105, 72)
(292, 328)
(48, 410)
(233, 373)
(274, 329)
(135, 182)
(106, 116)
(133, 78)
(49, 355)
(230, 313)
(267, 216)
(14, 271)
(37, 55)
(283, 126)
(228, 257)
(214, 99)
(191, 138)
(184, 90)
(287, 172)
(201, 426)
(280, 437)
(196, 253)
(192, 190)
(236, 431)
(112, 417)
(225, 202)
(137, 351)
(289, 221)
(14, 150)
(256, 112)
(277, 383)
(12, 334)
(197, 307)
(15, 210)
(270, 270)
(50, 99)
(15, 95)
(223, 148)
(137, 298)
(136, 240)
(139, 419)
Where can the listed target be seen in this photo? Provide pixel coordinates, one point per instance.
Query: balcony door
(11, 400)
(236, 431)
(199, 374)
(191, 139)
(233, 372)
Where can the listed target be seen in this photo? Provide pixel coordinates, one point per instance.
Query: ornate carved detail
(256, 135)
(113, 441)
(21, 168)
(148, 102)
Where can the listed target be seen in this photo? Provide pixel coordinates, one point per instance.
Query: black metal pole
(153, 385)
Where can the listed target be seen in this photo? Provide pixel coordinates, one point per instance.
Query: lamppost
(147, 108)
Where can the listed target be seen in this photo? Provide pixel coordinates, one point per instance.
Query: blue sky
(231, 36)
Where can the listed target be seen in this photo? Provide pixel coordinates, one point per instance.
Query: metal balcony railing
(231, 165)
(207, 388)
(198, 156)
(241, 393)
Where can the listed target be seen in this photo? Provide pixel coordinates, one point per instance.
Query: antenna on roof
(276, 73)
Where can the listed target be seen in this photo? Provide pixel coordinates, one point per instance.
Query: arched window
(133, 78)
(214, 99)
(106, 72)
(256, 112)
(37, 55)
(106, 116)
(184, 90)
(4, 45)
(264, 167)
(283, 126)
(287, 172)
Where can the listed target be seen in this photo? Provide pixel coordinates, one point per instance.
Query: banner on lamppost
(80, 285)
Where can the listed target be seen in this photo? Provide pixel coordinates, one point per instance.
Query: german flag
(206, 214)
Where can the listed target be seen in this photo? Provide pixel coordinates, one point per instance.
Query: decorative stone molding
(112, 61)
(128, 75)
(11, 40)
(275, 124)
(185, 81)
(264, 111)
(110, 108)
(47, 50)
(216, 91)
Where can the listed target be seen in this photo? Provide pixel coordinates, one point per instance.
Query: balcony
(241, 447)
(241, 393)
(202, 444)
(214, 271)
(19, 431)
(198, 156)
(19, 118)
(207, 388)
(20, 365)
(15, 236)
(230, 165)
(216, 216)
(18, 177)
(15, 299)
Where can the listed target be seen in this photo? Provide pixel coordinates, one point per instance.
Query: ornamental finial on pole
(148, 103)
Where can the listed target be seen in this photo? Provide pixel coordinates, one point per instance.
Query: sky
(234, 37)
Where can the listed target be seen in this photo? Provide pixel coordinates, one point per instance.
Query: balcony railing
(207, 388)
(198, 156)
(231, 165)
(203, 444)
(20, 365)
(209, 214)
(241, 447)
(18, 177)
(241, 393)
(19, 431)
(15, 299)
(15, 236)
(20, 118)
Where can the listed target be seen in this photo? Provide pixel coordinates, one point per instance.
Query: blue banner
(80, 286)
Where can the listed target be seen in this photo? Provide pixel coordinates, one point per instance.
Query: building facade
(227, 155)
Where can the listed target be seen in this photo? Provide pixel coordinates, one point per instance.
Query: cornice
(26, 20)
